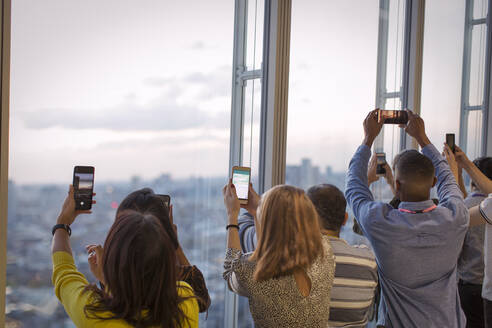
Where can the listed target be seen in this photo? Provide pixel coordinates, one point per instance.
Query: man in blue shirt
(417, 245)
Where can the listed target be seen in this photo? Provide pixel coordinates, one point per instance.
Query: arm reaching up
(480, 179)
(357, 192)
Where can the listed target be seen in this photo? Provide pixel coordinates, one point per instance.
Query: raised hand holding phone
(416, 129)
(371, 127)
(241, 177)
(381, 162)
(450, 141)
(83, 184)
(68, 212)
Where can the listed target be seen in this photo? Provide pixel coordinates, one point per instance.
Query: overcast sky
(143, 87)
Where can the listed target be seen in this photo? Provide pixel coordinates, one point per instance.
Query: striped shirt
(354, 287)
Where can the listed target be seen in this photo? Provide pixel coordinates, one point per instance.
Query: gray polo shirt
(470, 262)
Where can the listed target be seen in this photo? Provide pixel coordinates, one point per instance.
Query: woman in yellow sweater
(139, 273)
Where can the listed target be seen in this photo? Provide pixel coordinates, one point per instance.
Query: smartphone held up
(241, 176)
(450, 141)
(83, 185)
(392, 116)
(381, 161)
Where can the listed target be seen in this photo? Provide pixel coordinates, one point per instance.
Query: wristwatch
(62, 226)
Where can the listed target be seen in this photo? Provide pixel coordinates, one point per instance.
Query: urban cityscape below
(198, 212)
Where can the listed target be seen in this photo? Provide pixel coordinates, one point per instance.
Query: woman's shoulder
(184, 289)
(189, 305)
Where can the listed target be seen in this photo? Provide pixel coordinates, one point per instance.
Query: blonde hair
(289, 235)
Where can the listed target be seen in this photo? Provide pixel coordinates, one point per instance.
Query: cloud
(174, 108)
(159, 117)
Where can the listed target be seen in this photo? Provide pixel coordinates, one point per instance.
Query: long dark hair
(139, 266)
(146, 201)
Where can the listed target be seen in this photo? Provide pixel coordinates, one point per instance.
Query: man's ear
(346, 219)
(434, 182)
(397, 186)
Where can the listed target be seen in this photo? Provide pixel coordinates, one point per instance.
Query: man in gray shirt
(471, 262)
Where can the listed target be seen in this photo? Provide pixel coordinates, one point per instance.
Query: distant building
(307, 175)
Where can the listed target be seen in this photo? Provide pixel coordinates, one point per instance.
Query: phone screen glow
(240, 179)
(84, 180)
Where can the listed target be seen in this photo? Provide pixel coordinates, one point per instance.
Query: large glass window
(140, 90)
(442, 68)
(454, 72)
(333, 73)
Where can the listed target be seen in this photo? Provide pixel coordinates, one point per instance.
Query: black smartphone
(83, 185)
(240, 179)
(381, 160)
(392, 116)
(450, 141)
(166, 199)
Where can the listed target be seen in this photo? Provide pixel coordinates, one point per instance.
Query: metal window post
(5, 23)
(465, 79)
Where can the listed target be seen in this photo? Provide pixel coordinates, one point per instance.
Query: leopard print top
(278, 302)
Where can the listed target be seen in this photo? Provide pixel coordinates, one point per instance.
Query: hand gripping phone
(83, 186)
(450, 141)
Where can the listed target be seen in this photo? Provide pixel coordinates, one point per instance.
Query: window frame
(411, 83)
(5, 24)
(465, 107)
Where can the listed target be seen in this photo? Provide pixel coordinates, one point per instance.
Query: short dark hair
(330, 205)
(414, 166)
(484, 164)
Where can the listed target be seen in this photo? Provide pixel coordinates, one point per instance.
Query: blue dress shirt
(416, 253)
